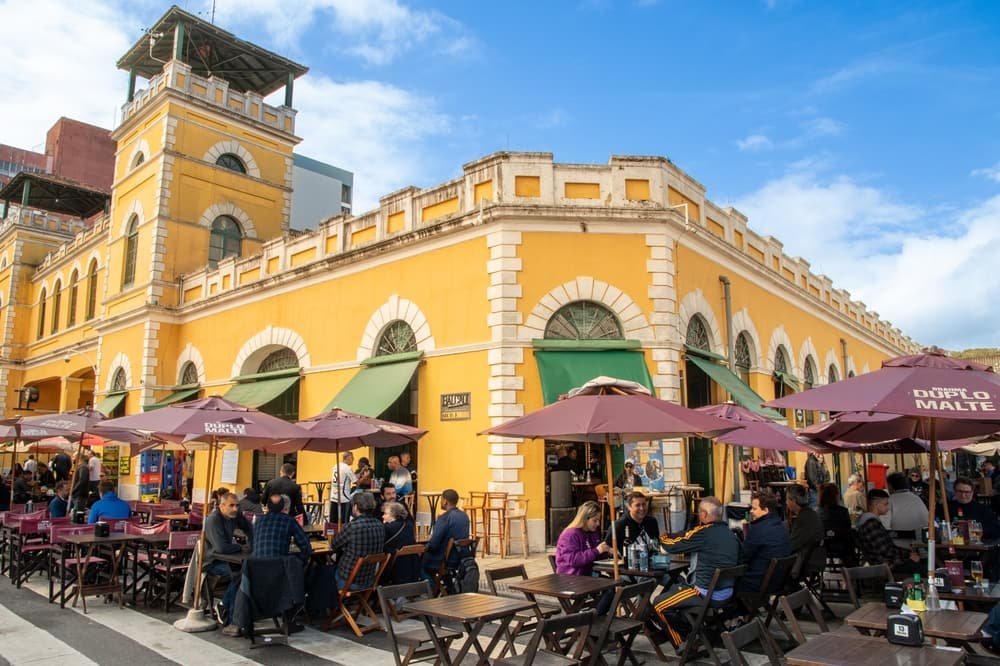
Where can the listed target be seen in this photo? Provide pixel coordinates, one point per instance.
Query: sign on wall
(124, 462)
(110, 462)
(456, 406)
(230, 465)
(648, 460)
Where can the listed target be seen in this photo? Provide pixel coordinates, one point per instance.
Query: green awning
(375, 387)
(179, 395)
(790, 381)
(690, 351)
(110, 403)
(561, 371)
(742, 394)
(255, 394)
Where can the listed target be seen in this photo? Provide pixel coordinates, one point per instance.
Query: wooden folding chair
(854, 575)
(565, 638)
(625, 620)
(417, 641)
(765, 600)
(348, 596)
(790, 604)
(414, 550)
(168, 568)
(705, 612)
(753, 631)
(29, 549)
(62, 566)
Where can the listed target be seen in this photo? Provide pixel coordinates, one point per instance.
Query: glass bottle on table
(976, 570)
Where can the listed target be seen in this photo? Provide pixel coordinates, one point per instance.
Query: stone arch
(394, 309)
(119, 361)
(232, 210)
(140, 146)
(780, 337)
(742, 323)
(695, 303)
(191, 354)
(807, 350)
(633, 322)
(851, 368)
(831, 359)
(236, 148)
(865, 369)
(259, 346)
(135, 208)
(94, 256)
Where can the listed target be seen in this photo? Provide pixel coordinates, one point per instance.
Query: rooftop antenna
(213, 12)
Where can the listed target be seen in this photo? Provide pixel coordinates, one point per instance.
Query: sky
(863, 135)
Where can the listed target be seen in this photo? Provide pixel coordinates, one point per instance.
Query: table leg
(473, 641)
(500, 633)
(81, 571)
(439, 647)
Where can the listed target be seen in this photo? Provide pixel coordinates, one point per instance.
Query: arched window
(396, 338)
(781, 360)
(850, 374)
(92, 290)
(226, 240)
(231, 162)
(697, 334)
(583, 320)
(41, 314)
(780, 374)
(131, 251)
(809, 374)
(832, 375)
(119, 382)
(743, 356)
(139, 159)
(282, 359)
(189, 374)
(56, 305)
(74, 280)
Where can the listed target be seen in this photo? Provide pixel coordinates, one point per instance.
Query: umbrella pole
(725, 465)
(932, 603)
(195, 620)
(944, 494)
(611, 495)
(163, 459)
(337, 476)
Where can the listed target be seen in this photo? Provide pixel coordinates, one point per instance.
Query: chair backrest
(568, 631)
(552, 563)
(183, 540)
(59, 532)
(778, 571)
(736, 639)
(147, 530)
(601, 490)
(721, 579)
(117, 525)
(853, 575)
(493, 576)
(790, 604)
(376, 560)
(634, 601)
(477, 499)
(10, 519)
(18, 507)
(35, 526)
(496, 500)
(387, 596)
(467, 546)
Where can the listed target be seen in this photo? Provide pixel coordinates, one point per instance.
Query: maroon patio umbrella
(755, 430)
(607, 410)
(865, 427)
(338, 430)
(930, 386)
(76, 423)
(210, 420)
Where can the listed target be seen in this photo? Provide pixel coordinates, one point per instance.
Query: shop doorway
(699, 393)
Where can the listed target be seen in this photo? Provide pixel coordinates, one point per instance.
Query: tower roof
(54, 194)
(209, 51)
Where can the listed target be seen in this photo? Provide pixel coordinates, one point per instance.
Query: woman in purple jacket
(580, 543)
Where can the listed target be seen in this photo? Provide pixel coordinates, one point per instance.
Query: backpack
(466, 576)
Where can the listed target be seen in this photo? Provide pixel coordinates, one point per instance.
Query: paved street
(32, 631)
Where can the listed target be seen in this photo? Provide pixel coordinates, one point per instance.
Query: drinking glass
(976, 567)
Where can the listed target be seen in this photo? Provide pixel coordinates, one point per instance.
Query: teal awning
(742, 394)
(690, 351)
(790, 381)
(377, 385)
(561, 371)
(179, 395)
(255, 394)
(110, 403)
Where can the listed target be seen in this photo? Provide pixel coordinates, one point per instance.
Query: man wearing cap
(628, 478)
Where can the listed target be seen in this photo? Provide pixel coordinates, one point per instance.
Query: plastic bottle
(643, 559)
(915, 599)
(29, 507)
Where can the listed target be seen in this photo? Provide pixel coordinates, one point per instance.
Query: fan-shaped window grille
(226, 240)
(396, 338)
(743, 357)
(282, 359)
(119, 383)
(781, 360)
(832, 375)
(139, 159)
(231, 162)
(189, 374)
(583, 320)
(697, 334)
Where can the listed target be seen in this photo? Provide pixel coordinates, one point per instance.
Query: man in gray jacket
(220, 529)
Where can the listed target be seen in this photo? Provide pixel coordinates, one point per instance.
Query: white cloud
(993, 172)
(927, 280)
(59, 60)
(860, 70)
(379, 131)
(754, 142)
(816, 127)
(377, 31)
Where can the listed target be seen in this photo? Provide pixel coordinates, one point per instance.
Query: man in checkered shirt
(274, 530)
(364, 535)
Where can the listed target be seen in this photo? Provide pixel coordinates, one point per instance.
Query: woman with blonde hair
(580, 543)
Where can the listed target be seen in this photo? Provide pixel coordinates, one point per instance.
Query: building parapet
(98, 227)
(41, 220)
(652, 184)
(177, 75)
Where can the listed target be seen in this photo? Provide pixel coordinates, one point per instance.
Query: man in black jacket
(285, 485)
(220, 528)
(716, 547)
(636, 525)
(766, 539)
(805, 529)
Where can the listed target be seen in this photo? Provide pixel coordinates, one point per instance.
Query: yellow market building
(453, 307)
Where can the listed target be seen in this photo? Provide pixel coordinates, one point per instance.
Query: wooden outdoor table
(673, 570)
(149, 542)
(83, 545)
(832, 649)
(571, 591)
(953, 626)
(474, 611)
(173, 518)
